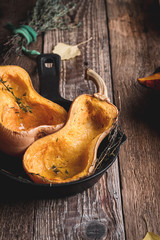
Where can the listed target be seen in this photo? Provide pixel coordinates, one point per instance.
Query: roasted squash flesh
(14, 118)
(70, 153)
(22, 109)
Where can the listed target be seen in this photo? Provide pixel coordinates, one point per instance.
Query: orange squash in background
(152, 81)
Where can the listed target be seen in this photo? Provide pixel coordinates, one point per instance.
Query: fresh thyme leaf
(17, 99)
(25, 108)
(66, 171)
(55, 170)
(54, 166)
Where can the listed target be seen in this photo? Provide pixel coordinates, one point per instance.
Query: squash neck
(102, 93)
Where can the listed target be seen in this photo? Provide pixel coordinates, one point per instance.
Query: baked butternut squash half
(70, 154)
(25, 116)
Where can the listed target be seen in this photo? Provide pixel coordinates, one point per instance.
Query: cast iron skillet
(13, 180)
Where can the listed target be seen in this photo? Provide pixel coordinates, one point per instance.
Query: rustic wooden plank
(96, 213)
(17, 215)
(16, 220)
(135, 49)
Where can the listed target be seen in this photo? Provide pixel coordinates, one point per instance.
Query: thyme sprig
(45, 15)
(25, 108)
(114, 141)
(49, 15)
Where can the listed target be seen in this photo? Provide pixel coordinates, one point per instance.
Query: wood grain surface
(134, 38)
(97, 212)
(93, 209)
(125, 45)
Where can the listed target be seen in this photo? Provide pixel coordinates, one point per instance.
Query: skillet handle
(49, 76)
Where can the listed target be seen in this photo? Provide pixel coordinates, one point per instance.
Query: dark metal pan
(13, 180)
(49, 78)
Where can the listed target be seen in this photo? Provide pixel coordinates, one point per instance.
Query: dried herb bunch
(46, 15)
(114, 140)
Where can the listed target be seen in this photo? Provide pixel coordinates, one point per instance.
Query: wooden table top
(125, 202)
